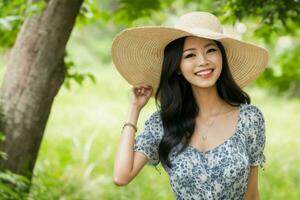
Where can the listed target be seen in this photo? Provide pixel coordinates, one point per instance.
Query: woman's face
(201, 62)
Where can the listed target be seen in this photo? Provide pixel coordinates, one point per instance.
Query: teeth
(204, 72)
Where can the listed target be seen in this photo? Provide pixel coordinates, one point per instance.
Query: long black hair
(177, 104)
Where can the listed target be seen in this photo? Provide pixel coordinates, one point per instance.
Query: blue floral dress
(220, 173)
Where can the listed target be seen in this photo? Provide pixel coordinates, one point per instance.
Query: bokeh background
(77, 154)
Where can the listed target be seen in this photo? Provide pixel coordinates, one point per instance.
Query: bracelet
(130, 124)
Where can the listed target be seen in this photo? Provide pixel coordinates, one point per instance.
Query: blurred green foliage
(73, 74)
(12, 15)
(13, 186)
(275, 19)
(287, 79)
(278, 17)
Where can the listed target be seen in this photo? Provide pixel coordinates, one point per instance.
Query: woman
(206, 134)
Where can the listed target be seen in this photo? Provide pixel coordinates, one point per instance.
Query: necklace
(204, 134)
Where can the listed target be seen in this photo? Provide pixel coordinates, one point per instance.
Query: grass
(79, 145)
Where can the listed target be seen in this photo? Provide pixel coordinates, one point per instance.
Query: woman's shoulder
(251, 114)
(154, 121)
(251, 109)
(155, 117)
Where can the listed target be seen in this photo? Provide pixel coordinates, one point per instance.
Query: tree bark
(34, 74)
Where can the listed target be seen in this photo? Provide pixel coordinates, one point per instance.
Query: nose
(202, 61)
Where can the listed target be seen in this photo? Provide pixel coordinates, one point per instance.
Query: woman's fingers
(142, 89)
(149, 93)
(140, 94)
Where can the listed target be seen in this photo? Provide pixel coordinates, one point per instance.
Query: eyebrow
(191, 49)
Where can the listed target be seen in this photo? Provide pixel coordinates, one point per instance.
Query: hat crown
(202, 20)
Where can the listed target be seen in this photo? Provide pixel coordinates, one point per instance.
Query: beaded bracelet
(130, 124)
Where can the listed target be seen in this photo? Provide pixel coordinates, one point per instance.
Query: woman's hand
(140, 94)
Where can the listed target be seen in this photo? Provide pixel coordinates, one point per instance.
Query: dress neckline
(225, 141)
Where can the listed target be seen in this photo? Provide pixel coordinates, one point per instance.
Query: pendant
(204, 137)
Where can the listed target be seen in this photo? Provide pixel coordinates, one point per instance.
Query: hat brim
(138, 54)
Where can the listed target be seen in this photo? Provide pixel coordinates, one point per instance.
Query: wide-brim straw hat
(138, 52)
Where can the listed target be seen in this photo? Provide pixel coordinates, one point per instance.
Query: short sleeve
(256, 137)
(148, 141)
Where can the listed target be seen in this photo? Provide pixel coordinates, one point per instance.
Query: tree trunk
(34, 74)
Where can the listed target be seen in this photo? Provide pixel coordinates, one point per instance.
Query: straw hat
(138, 52)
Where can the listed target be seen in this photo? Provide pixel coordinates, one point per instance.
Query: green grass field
(78, 149)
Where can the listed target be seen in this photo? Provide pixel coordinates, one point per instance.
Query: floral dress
(220, 173)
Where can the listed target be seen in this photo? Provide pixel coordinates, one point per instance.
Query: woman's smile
(205, 73)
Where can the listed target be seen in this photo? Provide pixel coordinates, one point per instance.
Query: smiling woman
(206, 134)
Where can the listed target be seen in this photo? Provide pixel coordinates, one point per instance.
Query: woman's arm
(252, 187)
(127, 162)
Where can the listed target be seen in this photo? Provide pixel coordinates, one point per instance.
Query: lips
(204, 71)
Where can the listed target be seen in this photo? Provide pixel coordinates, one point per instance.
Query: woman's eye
(211, 50)
(189, 55)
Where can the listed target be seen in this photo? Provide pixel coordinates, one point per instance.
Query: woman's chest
(223, 165)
